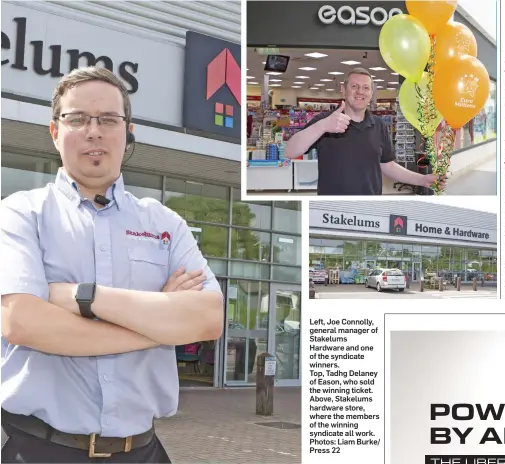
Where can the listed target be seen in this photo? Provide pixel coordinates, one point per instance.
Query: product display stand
(404, 144)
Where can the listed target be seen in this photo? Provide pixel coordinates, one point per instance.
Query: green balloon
(405, 46)
(410, 95)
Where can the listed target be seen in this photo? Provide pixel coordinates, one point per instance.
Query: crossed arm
(129, 320)
(48, 319)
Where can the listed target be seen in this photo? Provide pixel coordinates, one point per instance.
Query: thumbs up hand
(337, 122)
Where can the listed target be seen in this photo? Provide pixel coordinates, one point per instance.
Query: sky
(482, 203)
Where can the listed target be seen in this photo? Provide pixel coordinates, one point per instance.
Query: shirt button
(105, 377)
(103, 248)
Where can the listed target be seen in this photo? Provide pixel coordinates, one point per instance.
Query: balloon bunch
(443, 78)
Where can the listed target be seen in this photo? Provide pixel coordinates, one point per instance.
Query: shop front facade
(420, 239)
(324, 41)
(187, 155)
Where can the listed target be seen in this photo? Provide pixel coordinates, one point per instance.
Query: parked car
(386, 279)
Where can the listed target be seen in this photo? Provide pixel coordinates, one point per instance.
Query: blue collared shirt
(53, 234)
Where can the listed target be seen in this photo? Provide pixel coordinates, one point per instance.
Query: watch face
(85, 292)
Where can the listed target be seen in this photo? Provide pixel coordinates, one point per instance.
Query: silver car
(386, 279)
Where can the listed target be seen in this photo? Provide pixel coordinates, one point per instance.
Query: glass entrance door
(416, 272)
(370, 266)
(284, 332)
(246, 330)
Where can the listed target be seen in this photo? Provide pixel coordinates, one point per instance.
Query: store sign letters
(451, 232)
(343, 221)
(349, 221)
(78, 58)
(360, 16)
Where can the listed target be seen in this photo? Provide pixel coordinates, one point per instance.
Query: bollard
(408, 282)
(482, 282)
(265, 376)
(422, 285)
(458, 283)
(441, 285)
(474, 284)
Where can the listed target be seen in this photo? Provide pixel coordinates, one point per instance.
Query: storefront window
(474, 265)
(287, 249)
(250, 245)
(250, 270)
(286, 274)
(143, 185)
(287, 216)
(334, 261)
(209, 203)
(213, 240)
(482, 127)
(198, 202)
(20, 172)
(175, 195)
(218, 266)
(257, 215)
(445, 261)
(382, 249)
(372, 249)
(316, 257)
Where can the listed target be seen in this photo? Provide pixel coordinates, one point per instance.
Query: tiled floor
(220, 426)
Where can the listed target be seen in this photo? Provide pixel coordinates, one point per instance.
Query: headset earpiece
(130, 138)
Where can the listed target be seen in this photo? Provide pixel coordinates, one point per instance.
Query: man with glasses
(354, 147)
(97, 288)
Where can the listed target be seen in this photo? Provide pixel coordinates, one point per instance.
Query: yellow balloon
(405, 46)
(409, 96)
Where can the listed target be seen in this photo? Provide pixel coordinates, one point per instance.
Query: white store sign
(452, 232)
(38, 47)
(348, 221)
(361, 15)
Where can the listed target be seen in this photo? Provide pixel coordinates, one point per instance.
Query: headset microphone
(101, 200)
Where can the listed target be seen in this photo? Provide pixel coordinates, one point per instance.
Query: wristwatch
(85, 296)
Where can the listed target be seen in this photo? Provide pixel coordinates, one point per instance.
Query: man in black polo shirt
(354, 147)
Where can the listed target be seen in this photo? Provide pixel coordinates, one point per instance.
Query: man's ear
(53, 130)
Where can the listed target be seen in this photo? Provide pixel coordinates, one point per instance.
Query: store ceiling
(330, 63)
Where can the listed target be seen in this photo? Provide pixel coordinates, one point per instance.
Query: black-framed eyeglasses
(78, 120)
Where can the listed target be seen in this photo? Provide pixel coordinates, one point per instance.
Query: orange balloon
(433, 14)
(460, 89)
(454, 39)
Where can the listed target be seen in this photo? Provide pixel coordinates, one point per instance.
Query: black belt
(96, 445)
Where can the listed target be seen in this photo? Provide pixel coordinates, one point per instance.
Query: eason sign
(452, 232)
(347, 221)
(360, 16)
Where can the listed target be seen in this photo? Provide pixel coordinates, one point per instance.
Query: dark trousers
(21, 447)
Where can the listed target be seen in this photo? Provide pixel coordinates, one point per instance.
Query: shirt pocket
(148, 269)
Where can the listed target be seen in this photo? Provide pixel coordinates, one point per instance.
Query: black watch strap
(85, 297)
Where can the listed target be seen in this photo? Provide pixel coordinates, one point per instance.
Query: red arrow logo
(223, 69)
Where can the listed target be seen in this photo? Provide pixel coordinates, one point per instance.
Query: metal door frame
(272, 319)
(248, 334)
(220, 349)
(420, 270)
